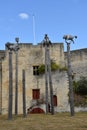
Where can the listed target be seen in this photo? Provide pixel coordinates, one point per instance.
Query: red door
(55, 100)
(37, 110)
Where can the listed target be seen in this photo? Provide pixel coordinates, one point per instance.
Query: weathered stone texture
(78, 62)
(31, 55)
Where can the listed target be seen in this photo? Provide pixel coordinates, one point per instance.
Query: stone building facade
(30, 57)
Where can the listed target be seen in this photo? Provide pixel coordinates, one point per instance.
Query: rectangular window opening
(35, 70)
(36, 94)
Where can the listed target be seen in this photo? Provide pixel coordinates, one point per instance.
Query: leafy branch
(54, 67)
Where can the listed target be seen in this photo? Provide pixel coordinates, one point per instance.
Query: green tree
(80, 87)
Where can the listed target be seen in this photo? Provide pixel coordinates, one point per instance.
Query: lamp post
(10, 48)
(47, 43)
(16, 75)
(69, 39)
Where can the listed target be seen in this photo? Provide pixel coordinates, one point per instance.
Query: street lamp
(69, 39)
(16, 48)
(47, 43)
(10, 47)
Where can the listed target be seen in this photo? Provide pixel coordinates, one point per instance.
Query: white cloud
(23, 15)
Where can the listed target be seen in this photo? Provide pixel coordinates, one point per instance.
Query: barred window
(35, 70)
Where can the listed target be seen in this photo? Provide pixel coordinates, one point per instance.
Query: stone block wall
(28, 56)
(32, 55)
(78, 62)
(2, 55)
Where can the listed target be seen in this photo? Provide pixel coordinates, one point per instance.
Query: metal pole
(46, 78)
(71, 97)
(16, 83)
(24, 95)
(10, 87)
(50, 82)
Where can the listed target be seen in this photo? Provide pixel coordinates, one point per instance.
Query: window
(55, 100)
(35, 70)
(36, 94)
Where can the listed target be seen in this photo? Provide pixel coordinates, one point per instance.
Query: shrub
(41, 69)
(54, 67)
(80, 87)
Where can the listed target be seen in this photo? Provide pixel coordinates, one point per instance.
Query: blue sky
(31, 19)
